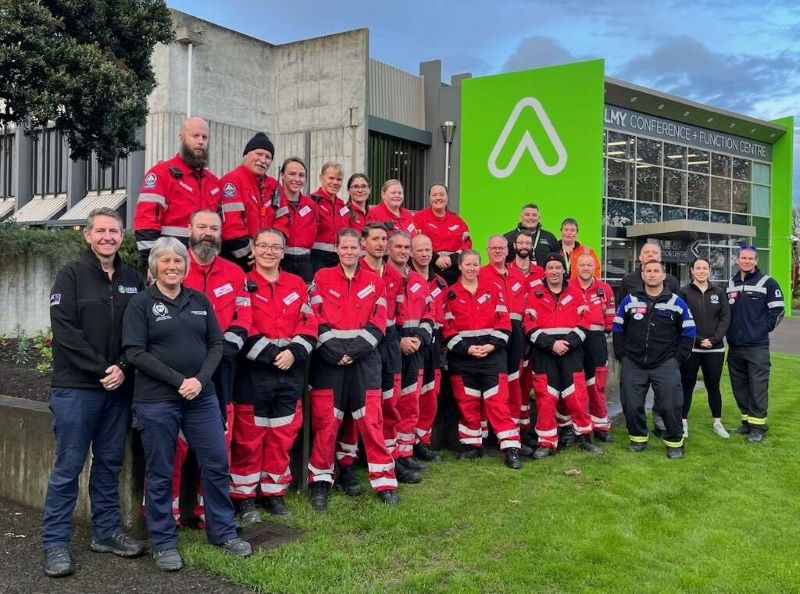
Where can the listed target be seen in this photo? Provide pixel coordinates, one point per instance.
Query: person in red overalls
(270, 383)
(599, 297)
(301, 228)
(358, 186)
(250, 199)
(349, 303)
(448, 232)
(556, 327)
(332, 214)
(390, 211)
(476, 329)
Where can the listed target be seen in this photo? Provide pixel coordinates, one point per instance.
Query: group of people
(257, 290)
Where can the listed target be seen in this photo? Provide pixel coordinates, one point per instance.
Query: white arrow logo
(527, 143)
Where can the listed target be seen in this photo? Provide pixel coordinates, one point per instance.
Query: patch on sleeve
(55, 299)
(150, 180)
(229, 191)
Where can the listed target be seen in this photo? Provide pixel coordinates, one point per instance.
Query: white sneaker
(685, 428)
(720, 430)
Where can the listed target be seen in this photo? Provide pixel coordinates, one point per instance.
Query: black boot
(675, 453)
(543, 452)
(525, 450)
(637, 446)
(276, 506)
(422, 451)
(756, 434)
(348, 481)
(389, 497)
(743, 429)
(412, 463)
(512, 458)
(566, 437)
(469, 453)
(604, 436)
(585, 442)
(248, 512)
(318, 494)
(405, 474)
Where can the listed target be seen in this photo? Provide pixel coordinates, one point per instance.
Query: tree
(83, 65)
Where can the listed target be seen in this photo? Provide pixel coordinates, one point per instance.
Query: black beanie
(553, 257)
(259, 141)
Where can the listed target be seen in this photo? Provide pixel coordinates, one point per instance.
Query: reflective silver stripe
(390, 323)
(580, 333)
(408, 390)
(775, 304)
(243, 251)
(500, 335)
(316, 299)
(256, 349)
(238, 479)
(453, 341)
(146, 244)
(516, 316)
(366, 335)
(306, 309)
(175, 231)
(619, 320)
(358, 414)
(380, 467)
(491, 392)
(501, 308)
(595, 327)
(243, 301)
(323, 247)
(280, 421)
(237, 340)
(281, 212)
(347, 334)
(233, 207)
(472, 392)
(762, 281)
(411, 324)
(688, 324)
(553, 331)
(297, 251)
(474, 333)
(383, 482)
(380, 301)
(157, 198)
(304, 343)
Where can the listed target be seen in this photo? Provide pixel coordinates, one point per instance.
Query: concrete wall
(25, 283)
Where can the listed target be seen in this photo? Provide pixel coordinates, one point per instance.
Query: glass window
(619, 256)
(620, 145)
(760, 200)
(696, 214)
(698, 161)
(720, 193)
(720, 165)
(648, 183)
(740, 219)
(760, 173)
(674, 213)
(741, 197)
(619, 179)
(647, 213)
(674, 187)
(648, 151)
(619, 213)
(720, 267)
(698, 190)
(720, 217)
(762, 232)
(741, 169)
(674, 156)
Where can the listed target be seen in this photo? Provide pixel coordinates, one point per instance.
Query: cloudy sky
(739, 55)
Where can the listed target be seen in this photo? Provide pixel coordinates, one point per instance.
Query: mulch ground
(22, 380)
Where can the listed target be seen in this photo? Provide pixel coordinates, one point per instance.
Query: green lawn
(724, 519)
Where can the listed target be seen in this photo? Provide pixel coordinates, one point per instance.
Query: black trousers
(711, 364)
(749, 370)
(668, 401)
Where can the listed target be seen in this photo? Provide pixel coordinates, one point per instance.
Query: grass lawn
(724, 519)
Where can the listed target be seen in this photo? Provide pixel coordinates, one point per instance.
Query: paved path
(786, 337)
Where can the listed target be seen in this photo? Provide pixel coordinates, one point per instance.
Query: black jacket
(633, 283)
(711, 313)
(86, 310)
(649, 330)
(544, 242)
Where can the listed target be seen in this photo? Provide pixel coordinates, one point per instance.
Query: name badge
(366, 291)
(223, 290)
(187, 187)
(483, 298)
(334, 292)
(453, 227)
(436, 292)
(291, 298)
(343, 211)
(414, 288)
(516, 287)
(566, 300)
(304, 211)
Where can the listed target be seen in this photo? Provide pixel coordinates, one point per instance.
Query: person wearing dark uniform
(90, 393)
(757, 308)
(544, 242)
(172, 338)
(653, 335)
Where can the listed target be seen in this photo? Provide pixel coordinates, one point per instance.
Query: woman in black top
(709, 306)
(172, 338)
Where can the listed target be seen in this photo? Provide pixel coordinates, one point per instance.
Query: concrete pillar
(76, 182)
(23, 163)
(135, 175)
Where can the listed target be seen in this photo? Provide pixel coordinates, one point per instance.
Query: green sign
(533, 136)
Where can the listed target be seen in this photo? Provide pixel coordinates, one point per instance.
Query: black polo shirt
(170, 340)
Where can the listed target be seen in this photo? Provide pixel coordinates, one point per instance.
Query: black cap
(553, 257)
(259, 141)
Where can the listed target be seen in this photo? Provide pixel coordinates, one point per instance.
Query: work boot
(543, 452)
(404, 474)
(743, 429)
(422, 451)
(348, 481)
(276, 506)
(512, 458)
(585, 442)
(525, 450)
(756, 435)
(168, 560)
(566, 437)
(237, 547)
(470, 453)
(637, 446)
(412, 463)
(58, 562)
(120, 544)
(675, 453)
(318, 494)
(389, 496)
(604, 436)
(248, 512)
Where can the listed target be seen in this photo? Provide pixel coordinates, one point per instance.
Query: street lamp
(448, 128)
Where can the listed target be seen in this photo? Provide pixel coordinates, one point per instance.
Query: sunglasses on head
(745, 246)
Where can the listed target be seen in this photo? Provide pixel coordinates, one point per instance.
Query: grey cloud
(536, 51)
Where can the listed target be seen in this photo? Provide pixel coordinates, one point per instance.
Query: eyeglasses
(359, 187)
(268, 247)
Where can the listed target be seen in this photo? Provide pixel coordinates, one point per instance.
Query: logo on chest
(161, 312)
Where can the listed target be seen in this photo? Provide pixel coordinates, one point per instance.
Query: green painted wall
(533, 136)
(781, 249)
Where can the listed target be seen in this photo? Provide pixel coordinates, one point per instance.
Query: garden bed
(24, 369)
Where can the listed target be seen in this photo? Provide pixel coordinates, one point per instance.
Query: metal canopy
(78, 214)
(41, 209)
(689, 228)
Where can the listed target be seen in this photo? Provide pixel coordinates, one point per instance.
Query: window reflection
(674, 156)
(648, 183)
(674, 187)
(720, 193)
(698, 161)
(741, 197)
(740, 169)
(698, 190)
(648, 151)
(720, 165)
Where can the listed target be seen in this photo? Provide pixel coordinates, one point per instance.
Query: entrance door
(679, 270)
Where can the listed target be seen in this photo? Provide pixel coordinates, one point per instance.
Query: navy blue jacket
(756, 308)
(650, 330)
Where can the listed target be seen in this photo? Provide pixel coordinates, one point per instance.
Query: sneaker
(637, 446)
(422, 451)
(389, 496)
(543, 452)
(348, 481)
(406, 475)
(58, 562)
(237, 547)
(720, 430)
(318, 494)
(168, 560)
(248, 512)
(675, 453)
(685, 423)
(276, 506)
(412, 463)
(120, 544)
(512, 458)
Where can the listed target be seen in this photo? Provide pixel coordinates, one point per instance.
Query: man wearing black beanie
(250, 201)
